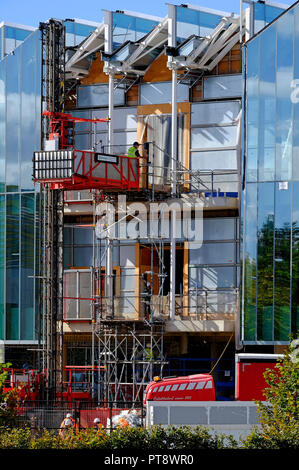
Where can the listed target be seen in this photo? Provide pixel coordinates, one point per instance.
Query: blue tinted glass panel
(124, 28)
(186, 15)
(13, 120)
(295, 97)
(267, 106)
(83, 30)
(282, 262)
(208, 23)
(271, 13)
(12, 266)
(295, 258)
(259, 11)
(252, 85)
(187, 23)
(27, 266)
(2, 264)
(250, 260)
(1, 39)
(144, 26)
(22, 34)
(285, 75)
(28, 110)
(2, 125)
(69, 27)
(265, 261)
(10, 33)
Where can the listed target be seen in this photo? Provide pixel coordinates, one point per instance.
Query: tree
(279, 417)
(8, 400)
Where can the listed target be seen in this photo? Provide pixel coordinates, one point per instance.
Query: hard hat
(68, 415)
(96, 420)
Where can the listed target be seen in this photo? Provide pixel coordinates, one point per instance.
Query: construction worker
(133, 151)
(67, 423)
(97, 425)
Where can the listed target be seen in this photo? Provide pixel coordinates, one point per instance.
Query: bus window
(155, 389)
(167, 388)
(174, 387)
(209, 384)
(191, 386)
(182, 386)
(161, 389)
(200, 385)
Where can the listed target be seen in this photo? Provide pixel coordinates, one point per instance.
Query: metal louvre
(52, 165)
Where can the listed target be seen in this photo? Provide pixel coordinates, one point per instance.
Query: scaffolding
(128, 348)
(51, 211)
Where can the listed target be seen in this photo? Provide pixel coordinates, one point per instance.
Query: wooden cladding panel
(96, 74)
(158, 71)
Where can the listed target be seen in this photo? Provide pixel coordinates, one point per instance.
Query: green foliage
(8, 401)
(156, 437)
(279, 418)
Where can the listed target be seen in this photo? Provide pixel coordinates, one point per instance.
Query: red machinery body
(80, 383)
(250, 369)
(199, 387)
(27, 382)
(72, 169)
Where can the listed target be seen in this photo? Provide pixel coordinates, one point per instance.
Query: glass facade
(196, 22)
(11, 37)
(270, 199)
(130, 28)
(264, 14)
(76, 32)
(19, 137)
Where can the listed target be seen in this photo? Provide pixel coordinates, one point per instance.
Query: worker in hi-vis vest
(133, 151)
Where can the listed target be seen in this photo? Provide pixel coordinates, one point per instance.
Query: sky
(31, 12)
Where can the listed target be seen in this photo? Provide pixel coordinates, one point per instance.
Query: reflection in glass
(295, 258)
(265, 261)
(12, 266)
(284, 121)
(13, 120)
(282, 263)
(2, 263)
(267, 106)
(250, 259)
(27, 266)
(252, 110)
(2, 125)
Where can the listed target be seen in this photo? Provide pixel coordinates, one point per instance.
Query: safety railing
(82, 300)
(121, 175)
(84, 169)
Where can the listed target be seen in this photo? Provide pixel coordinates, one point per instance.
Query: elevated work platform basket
(84, 169)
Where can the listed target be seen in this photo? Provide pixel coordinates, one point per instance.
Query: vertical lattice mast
(52, 99)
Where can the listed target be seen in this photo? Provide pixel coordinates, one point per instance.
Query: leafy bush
(279, 418)
(9, 401)
(155, 437)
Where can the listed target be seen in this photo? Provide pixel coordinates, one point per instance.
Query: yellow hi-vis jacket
(132, 152)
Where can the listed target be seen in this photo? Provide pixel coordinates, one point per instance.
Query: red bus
(198, 387)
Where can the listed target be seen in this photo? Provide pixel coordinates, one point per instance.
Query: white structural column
(108, 46)
(174, 120)
(111, 112)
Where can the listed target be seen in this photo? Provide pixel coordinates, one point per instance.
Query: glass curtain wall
(264, 14)
(270, 199)
(11, 37)
(19, 137)
(200, 23)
